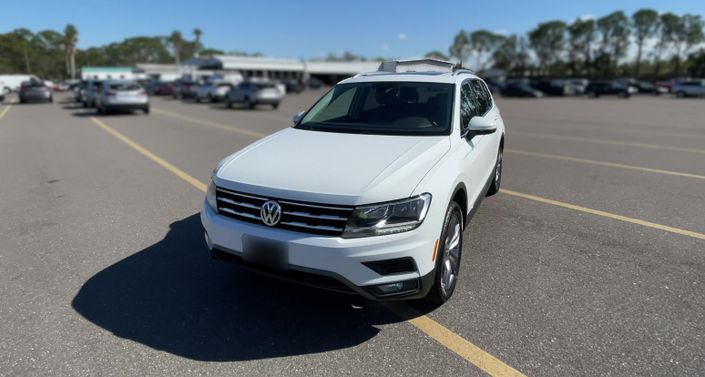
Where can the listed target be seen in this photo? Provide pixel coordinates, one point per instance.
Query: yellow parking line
(435, 330)
(165, 164)
(210, 124)
(4, 111)
(456, 343)
(614, 216)
(602, 163)
(612, 142)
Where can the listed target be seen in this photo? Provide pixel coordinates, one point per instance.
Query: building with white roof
(276, 68)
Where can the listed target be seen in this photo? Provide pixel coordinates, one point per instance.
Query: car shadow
(172, 297)
(240, 107)
(115, 114)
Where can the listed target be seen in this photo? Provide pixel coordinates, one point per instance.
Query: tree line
(664, 45)
(53, 54)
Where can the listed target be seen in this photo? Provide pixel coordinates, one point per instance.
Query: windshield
(383, 108)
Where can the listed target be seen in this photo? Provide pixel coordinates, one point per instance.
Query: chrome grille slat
(241, 204)
(303, 217)
(243, 214)
(319, 227)
(314, 205)
(312, 216)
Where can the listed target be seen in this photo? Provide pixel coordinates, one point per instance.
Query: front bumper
(332, 263)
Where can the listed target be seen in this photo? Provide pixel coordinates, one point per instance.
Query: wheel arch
(460, 196)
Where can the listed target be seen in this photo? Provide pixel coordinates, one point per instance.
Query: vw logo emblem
(271, 213)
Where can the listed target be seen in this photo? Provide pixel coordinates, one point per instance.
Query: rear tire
(275, 106)
(228, 104)
(680, 94)
(145, 110)
(497, 173)
(249, 104)
(449, 253)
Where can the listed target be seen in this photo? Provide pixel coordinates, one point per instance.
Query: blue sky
(310, 28)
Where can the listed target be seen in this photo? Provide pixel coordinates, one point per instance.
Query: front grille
(297, 216)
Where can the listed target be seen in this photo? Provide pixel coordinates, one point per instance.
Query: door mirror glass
(297, 117)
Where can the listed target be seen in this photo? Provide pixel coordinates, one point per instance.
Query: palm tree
(197, 45)
(70, 41)
(175, 40)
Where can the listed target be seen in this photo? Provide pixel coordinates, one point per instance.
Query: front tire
(450, 247)
(249, 104)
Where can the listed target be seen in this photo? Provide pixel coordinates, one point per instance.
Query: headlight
(387, 218)
(210, 196)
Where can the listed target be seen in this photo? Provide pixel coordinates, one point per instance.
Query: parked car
(294, 86)
(369, 192)
(553, 87)
(121, 95)
(251, 94)
(62, 87)
(602, 88)
(162, 88)
(691, 88)
(80, 91)
(644, 87)
(314, 83)
(92, 88)
(667, 85)
(184, 89)
(578, 86)
(35, 91)
(520, 90)
(213, 91)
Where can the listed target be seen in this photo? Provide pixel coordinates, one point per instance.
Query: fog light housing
(395, 288)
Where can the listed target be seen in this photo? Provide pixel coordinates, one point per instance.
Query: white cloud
(502, 32)
(385, 47)
(586, 17)
(402, 36)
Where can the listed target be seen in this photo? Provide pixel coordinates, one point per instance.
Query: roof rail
(459, 69)
(416, 65)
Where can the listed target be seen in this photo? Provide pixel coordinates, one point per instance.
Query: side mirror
(297, 117)
(479, 126)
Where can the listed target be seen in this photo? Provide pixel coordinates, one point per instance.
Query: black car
(553, 87)
(294, 86)
(314, 83)
(183, 89)
(520, 90)
(607, 88)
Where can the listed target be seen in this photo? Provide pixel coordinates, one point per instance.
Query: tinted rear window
(125, 86)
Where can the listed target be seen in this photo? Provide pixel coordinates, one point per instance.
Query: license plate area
(265, 252)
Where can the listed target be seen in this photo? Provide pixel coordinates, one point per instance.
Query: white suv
(370, 190)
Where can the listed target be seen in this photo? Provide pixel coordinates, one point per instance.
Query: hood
(333, 168)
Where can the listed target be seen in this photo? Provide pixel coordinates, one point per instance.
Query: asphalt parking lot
(590, 262)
